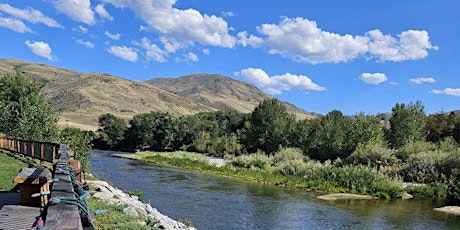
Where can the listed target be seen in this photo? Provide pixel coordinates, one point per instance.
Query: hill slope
(220, 92)
(80, 98)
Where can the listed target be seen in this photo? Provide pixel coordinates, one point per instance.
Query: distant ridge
(80, 98)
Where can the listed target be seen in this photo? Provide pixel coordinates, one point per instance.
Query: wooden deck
(14, 216)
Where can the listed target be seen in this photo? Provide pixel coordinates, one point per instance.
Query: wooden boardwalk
(14, 216)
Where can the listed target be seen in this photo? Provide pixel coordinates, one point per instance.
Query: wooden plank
(62, 216)
(33, 176)
(18, 217)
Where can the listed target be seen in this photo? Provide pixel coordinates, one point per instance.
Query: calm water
(214, 202)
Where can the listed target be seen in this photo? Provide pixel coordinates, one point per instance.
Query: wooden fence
(60, 215)
(44, 151)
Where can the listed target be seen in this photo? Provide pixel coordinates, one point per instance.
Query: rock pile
(135, 207)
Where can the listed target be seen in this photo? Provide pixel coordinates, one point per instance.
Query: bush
(288, 154)
(292, 167)
(372, 155)
(421, 170)
(414, 148)
(355, 179)
(258, 160)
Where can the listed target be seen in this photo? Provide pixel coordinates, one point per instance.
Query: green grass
(10, 167)
(115, 219)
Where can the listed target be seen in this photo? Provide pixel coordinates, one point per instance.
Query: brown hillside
(80, 98)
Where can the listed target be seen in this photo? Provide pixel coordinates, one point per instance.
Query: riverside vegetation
(363, 154)
(335, 152)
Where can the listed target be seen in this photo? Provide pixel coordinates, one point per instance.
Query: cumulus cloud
(88, 44)
(102, 12)
(187, 26)
(373, 78)
(29, 14)
(112, 36)
(278, 83)
(123, 52)
(447, 91)
(422, 80)
(41, 49)
(14, 25)
(206, 51)
(412, 45)
(152, 51)
(244, 39)
(77, 10)
(302, 40)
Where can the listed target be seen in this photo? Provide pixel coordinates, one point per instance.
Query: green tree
(330, 137)
(24, 114)
(154, 129)
(111, 131)
(78, 141)
(407, 124)
(270, 127)
(440, 126)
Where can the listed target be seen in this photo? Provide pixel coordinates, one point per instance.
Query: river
(215, 202)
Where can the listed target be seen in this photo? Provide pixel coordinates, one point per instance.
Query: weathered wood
(18, 217)
(61, 215)
(31, 181)
(33, 176)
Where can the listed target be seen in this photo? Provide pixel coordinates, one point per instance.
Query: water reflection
(214, 202)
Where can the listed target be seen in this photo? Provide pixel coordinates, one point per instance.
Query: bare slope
(80, 98)
(220, 92)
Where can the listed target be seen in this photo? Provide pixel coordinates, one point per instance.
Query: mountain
(79, 98)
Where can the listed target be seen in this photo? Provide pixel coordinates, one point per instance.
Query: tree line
(271, 127)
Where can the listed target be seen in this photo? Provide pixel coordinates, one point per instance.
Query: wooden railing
(43, 151)
(61, 215)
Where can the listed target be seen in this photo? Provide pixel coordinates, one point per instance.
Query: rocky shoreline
(135, 207)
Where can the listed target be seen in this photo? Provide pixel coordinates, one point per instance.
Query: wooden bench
(33, 180)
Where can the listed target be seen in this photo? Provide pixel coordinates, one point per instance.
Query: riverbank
(310, 175)
(143, 213)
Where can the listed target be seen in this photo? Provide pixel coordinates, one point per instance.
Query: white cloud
(77, 10)
(123, 52)
(302, 40)
(227, 14)
(41, 49)
(373, 78)
(29, 14)
(112, 36)
(278, 83)
(412, 45)
(186, 26)
(14, 25)
(88, 44)
(191, 57)
(245, 40)
(102, 12)
(81, 29)
(206, 51)
(152, 51)
(447, 91)
(422, 80)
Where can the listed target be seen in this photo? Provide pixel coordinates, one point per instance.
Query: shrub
(421, 170)
(414, 148)
(372, 155)
(258, 160)
(288, 154)
(292, 167)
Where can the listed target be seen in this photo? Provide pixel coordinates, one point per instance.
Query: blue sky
(354, 56)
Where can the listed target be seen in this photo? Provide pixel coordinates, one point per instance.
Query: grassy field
(10, 167)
